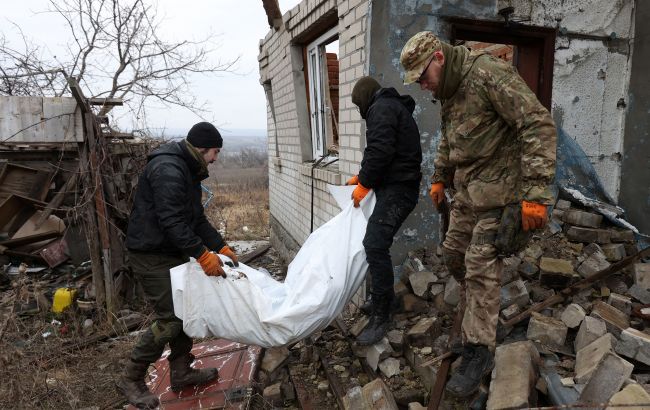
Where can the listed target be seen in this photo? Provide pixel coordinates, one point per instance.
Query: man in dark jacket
(390, 167)
(167, 226)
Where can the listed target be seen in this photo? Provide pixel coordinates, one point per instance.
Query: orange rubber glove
(533, 215)
(211, 264)
(359, 193)
(353, 181)
(226, 251)
(437, 193)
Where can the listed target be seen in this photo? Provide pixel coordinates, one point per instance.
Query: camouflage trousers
(152, 269)
(470, 255)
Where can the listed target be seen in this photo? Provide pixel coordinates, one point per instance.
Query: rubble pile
(592, 347)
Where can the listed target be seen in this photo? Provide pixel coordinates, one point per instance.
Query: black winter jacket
(393, 153)
(167, 215)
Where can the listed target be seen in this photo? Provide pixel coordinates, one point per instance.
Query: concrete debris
(632, 397)
(424, 332)
(274, 358)
(591, 329)
(514, 376)
(378, 352)
(634, 344)
(421, 281)
(389, 367)
(589, 357)
(573, 315)
(515, 293)
(607, 379)
(642, 275)
(581, 218)
(582, 348)
(546, 330)
(452, 292)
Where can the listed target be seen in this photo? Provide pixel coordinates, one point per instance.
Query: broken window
(530, 49)
(323, 92)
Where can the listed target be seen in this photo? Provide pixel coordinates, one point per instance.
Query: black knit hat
(205, 135)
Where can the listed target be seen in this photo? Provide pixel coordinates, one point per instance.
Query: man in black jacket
(167, 226)
(390, 167)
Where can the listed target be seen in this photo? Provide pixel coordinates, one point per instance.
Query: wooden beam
(26, 240)
(78, 96)
(106, 101)
(56, 201)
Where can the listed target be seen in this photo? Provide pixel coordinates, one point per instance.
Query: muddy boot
(379, 322)
(476, 362)
(183, 375)
(131, 385)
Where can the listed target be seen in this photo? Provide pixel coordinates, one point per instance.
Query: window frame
(316, 64)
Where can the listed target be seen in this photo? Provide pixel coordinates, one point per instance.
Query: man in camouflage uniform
(496, 151)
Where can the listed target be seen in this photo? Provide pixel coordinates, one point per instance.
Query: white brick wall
(289, 178)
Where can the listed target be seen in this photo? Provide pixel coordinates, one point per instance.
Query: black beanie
(204, 135)
(362, 94)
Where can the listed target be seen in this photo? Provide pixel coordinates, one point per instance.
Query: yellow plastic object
(63, 298)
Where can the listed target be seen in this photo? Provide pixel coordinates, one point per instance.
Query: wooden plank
(106, 101)
(26, 240)
(62, 128)
(56, 201)
(25, 181)
(31, 120)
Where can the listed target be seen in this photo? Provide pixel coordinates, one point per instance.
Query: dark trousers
(152, 269)
(394, 203)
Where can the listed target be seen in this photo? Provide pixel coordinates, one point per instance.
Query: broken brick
(414, 304)
(614, 252)
(515, 292)
(514, 376)
(631, 395)
(452, 292)
(424, 332)
(642, 275)
(573, 315)
(591, 329)
(378, 352)
(607, 379)
(546, 330)
(582, 218)
(634, 344)
(593, 264)
(420, 282)
(555, 273)
(589, 357)
(588, 235)
(620, 302)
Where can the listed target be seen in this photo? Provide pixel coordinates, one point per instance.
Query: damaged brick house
(579, 56)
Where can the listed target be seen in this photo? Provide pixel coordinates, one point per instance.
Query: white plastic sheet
(251, 307)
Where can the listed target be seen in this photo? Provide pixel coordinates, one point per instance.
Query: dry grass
(39, 373)
(240, 207)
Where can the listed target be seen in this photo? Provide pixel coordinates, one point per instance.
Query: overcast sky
(236, 101)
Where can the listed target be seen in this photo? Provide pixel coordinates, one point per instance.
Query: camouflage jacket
(498, 141)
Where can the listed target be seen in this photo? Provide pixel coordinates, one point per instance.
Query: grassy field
(240, 207)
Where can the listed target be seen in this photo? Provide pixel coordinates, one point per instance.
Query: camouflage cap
(416, 54)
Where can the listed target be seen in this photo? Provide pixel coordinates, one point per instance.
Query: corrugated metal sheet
(238, 365)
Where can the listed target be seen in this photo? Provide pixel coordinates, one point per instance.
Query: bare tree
(115, 51)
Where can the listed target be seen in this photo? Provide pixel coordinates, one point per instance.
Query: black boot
(476, 362)
(366, 308)
(183, 375)
(131, 385)
(379, 321)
